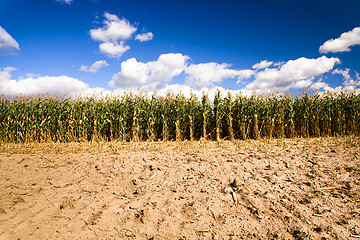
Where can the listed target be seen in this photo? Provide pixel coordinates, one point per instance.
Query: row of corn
(140, 117)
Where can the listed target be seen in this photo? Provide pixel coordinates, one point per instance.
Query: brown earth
(267, 189)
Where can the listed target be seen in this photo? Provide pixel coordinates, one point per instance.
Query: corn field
(140, 117)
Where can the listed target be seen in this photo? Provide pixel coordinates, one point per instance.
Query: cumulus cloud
(175, 89)
(302, 84)
(319, 85)
(7, 43)
(348, 80)
(206, 74)
(113, 35)
(262, 64)
(9, 69)
(340, 90)
(115, 29)
(344, 73)
(113, 50)
(95, 67)
(343, 43)
(144, 37)
(157, 74)
(187, 91)
(39, 85)
(294, 73)
(65, 1)
(278, 63)
(134, 73)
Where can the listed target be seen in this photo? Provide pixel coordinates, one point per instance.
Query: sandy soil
(274, 189)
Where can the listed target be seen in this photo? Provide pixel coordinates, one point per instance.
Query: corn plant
(140, 117)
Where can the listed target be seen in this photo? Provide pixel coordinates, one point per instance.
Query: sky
(102, 46)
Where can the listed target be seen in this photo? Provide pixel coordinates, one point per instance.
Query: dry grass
(161, 146)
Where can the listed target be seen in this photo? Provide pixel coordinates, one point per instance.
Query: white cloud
(112, 35)
(113, 50)
(278, 64)
(31, 75)
(302, 84)
(7, 43)
(115, 29)
(144, 37)
(352, 83)
(167, 66)
(99, 92)
(344, 73)
(343, 43)
(187, 91)
(40, 85)
(95, 67)
(357, 77)
(348, 80)
(205, 74)
(65, 1)
(262, 64)
(167, 88)
(294, 73)
(319, 85)
(9, 69)
(134, 73)
(157, 74)
(339, 90)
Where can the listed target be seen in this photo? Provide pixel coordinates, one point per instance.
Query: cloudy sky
(82, 46)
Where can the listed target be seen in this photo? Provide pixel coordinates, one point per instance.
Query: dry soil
(267, 189)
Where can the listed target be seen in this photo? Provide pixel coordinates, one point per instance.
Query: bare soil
(267, 189)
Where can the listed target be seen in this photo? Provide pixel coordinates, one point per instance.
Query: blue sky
(77, 46)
